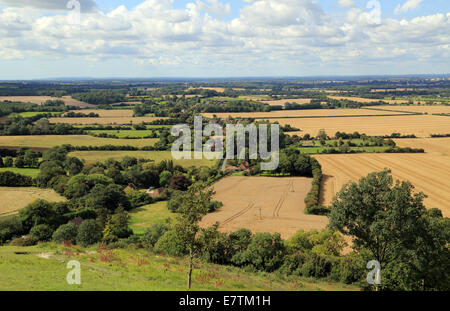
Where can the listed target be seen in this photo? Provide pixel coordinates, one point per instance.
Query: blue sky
(201, 38)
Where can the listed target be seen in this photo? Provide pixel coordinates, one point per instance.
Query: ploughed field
(429, 172)
(263, 204)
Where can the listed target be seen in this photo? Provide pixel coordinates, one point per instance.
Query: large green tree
(390, 220)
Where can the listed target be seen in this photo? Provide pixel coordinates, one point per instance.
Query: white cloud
(408, 5)
(285, 34)
(346, 3)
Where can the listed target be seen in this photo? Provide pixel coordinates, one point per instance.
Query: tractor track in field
(239, 214)
(290, 188)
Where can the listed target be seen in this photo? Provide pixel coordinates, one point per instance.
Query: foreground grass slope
(43, 267)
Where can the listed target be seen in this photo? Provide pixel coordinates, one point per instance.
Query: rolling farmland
(263, 204)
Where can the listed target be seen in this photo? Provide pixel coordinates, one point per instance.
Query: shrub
(67, 232)
(138, 198)
(10, 228)
(89, 233)
(154, 233)
(317, 210)
(171, 244)
(265, 252)
(41, 232)
(24, 241)
(40, 212)
(10, 179)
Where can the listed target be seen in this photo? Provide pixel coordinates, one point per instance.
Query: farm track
(237, 215)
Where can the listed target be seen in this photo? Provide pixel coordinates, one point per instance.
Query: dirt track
(263, 204)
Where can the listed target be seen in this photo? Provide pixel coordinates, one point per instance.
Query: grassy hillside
(43, 267)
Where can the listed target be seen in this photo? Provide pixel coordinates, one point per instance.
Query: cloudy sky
(217, 38)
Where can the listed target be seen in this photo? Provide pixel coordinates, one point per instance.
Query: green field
(32, 172)
(43, 268)
(145, 216)
(49, 141)
(29, 114)
(157, 156)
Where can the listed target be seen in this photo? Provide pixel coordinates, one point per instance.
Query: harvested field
(108, 113)
(420, 109)
(105, 121)
(281, 102)
(371, 100)
(42, 99)
(263, 204)
(48, 141)
(15, 198)
(157, 156)
(420, 125)
(301, 113)
(429, 173)
(217, 89)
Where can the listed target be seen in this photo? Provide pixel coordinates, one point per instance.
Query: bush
(24, 241)
(138, 198)
(10, 228)
(41, 232)
(171, 244)
(67, 232)
(40, 212)
(349, 269)
(265, 252)
(154, 233)
(10, 179)
(317, 210)
(89, 233)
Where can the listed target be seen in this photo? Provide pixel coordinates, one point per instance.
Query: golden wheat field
(301, 113)
(48, 141)
(14, 199)
(39, 100)
(281, 102)
(105, 121)
(429, 172)
(420, 125)
(419, 109)
(103, 113)
(370, 100)
(263, 204)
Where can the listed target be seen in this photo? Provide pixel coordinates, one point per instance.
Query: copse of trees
(36, 125)
(102, 97)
